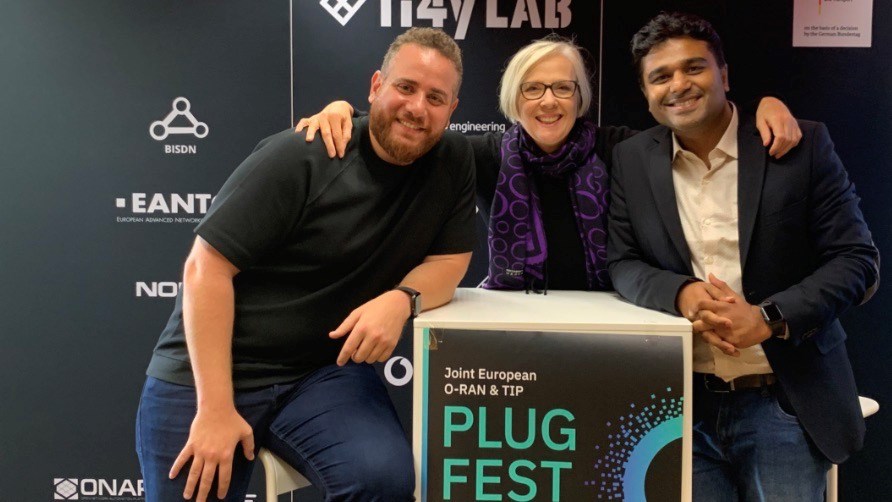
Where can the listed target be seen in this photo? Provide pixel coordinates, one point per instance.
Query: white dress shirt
(706, 196)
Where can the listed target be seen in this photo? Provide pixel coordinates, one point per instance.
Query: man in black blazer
(761, 254)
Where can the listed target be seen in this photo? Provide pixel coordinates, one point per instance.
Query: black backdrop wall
(96, 214)
(94, 231)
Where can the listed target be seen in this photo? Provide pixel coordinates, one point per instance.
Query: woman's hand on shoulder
(777, 126)
(334, 124)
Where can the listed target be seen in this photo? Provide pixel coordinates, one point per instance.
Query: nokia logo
(164, 289)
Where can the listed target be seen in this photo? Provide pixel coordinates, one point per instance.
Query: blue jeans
(749, 447)
(337, 427)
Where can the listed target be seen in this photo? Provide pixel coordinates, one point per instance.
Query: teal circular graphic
(640, 435)
(643, 454)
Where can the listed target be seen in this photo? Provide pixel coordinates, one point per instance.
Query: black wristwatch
(414, 300)
(773, 316)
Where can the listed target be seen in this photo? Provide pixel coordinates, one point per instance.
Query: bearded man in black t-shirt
(288, 296)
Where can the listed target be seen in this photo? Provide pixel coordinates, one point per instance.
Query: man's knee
(386, 475)
(386, 482)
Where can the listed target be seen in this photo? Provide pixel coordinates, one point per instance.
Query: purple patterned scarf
(517, 247)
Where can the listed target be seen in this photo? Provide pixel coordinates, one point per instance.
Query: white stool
(868, 408)
(280, 477)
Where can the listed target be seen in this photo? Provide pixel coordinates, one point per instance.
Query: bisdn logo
(548, 14)
(179, 121)
(97, 489)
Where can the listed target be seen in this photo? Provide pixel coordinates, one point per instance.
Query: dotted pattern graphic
(645, 427)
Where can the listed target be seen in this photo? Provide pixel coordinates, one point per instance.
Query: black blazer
(803, 244)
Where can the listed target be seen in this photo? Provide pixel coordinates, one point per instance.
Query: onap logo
(97, 489)
(398, 381)
(66, 489)
(342, 10)
(163, 207)
(180, 112)
(547, 14)
(156, 289)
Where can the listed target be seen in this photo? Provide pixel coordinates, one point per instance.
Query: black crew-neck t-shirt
(315, 238)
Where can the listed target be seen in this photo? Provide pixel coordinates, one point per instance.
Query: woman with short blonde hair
(526, 58)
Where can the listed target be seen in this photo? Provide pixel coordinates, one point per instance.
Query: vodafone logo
(405, 373)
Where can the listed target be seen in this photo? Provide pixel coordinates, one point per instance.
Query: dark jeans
(748, 447)
(336, 426)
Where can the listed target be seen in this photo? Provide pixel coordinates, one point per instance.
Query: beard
(400, 150)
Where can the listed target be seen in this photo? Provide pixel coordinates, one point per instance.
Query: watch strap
(414, 300)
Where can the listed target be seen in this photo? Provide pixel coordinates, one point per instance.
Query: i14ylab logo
(180, 121)
(534, 14)
(342, 10)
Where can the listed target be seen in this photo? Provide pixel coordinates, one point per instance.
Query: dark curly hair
(674, 25)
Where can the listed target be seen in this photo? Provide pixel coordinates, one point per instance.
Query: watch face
(771, 312)
(416, 304)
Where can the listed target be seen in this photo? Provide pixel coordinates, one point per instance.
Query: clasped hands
(722, 317)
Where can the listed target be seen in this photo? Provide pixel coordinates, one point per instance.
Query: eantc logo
(97, 489)
(164, 207)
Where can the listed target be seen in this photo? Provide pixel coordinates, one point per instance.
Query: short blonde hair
(529, 56)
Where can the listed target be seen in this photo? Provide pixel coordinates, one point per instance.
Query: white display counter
(566, 396)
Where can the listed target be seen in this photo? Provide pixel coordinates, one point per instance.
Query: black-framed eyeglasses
(561, 89)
